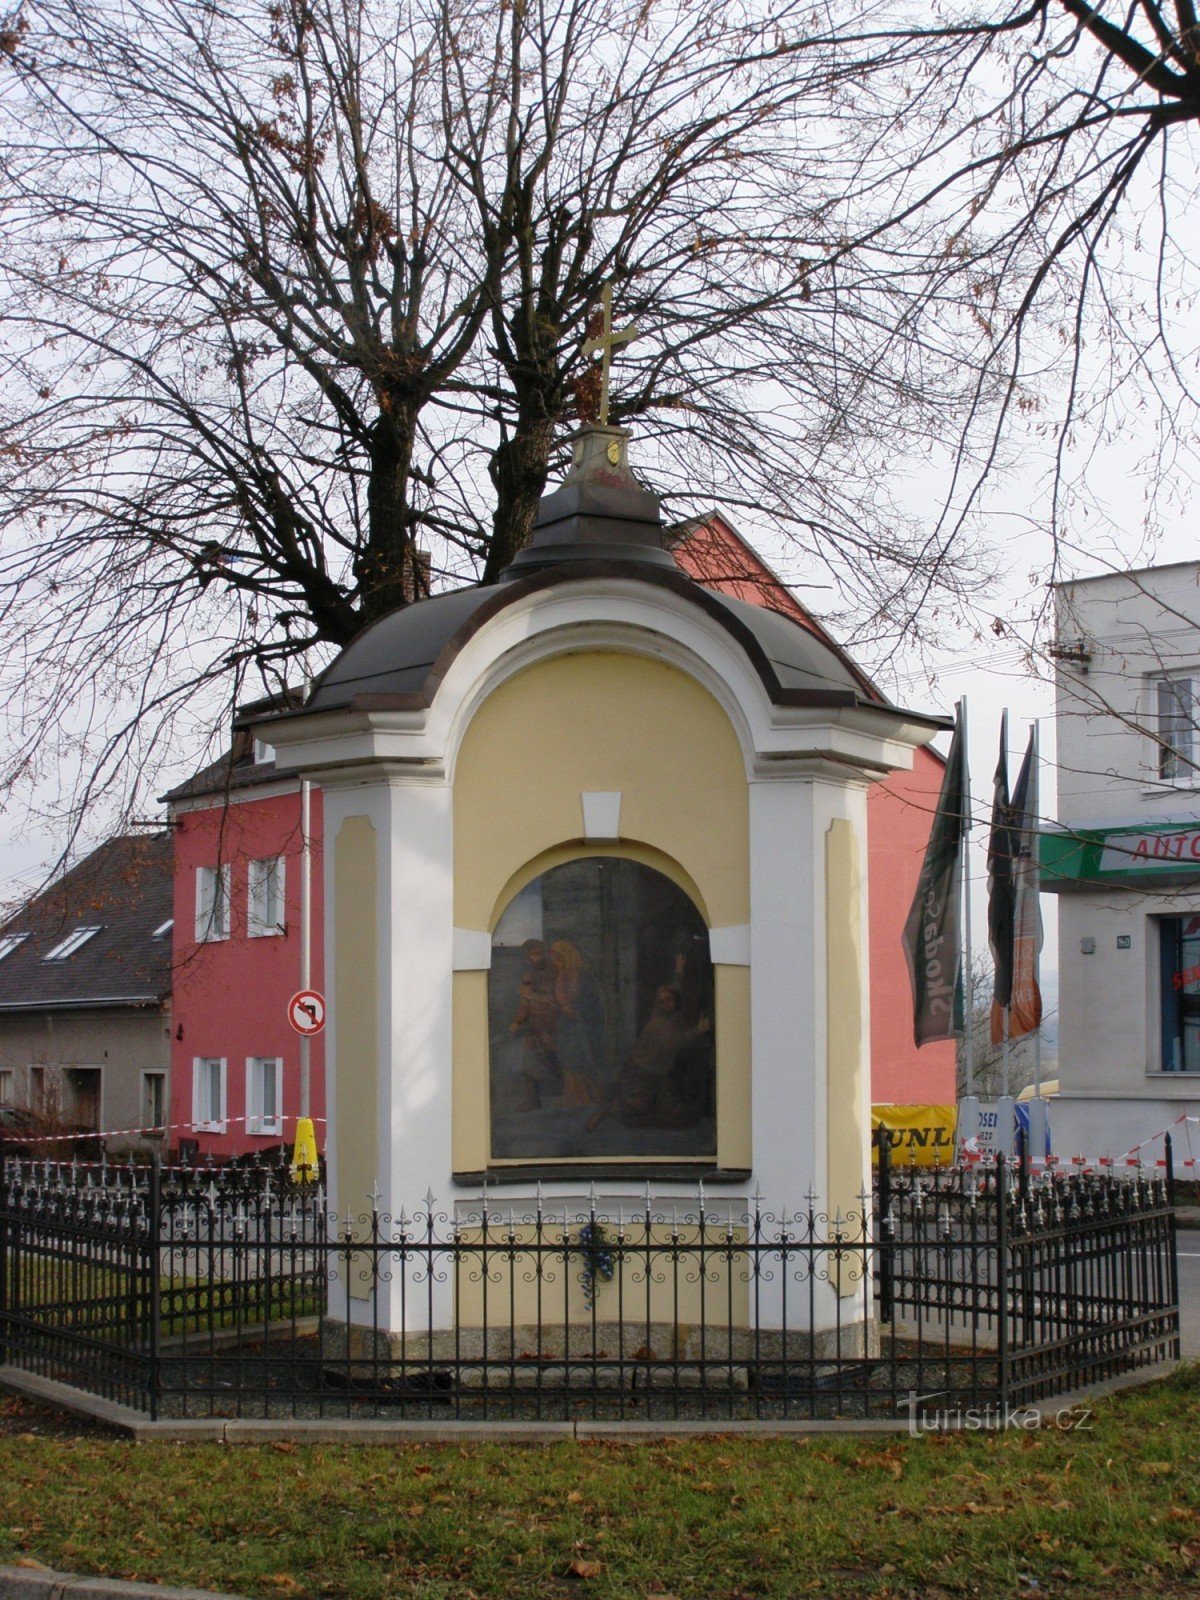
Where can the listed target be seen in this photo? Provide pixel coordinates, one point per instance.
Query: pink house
(899, 814)
(235, 1059)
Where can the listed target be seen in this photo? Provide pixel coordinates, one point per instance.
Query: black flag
(932, 945)
(1002, 850)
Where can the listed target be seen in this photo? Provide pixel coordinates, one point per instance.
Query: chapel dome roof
(399, 661)
(600, 523)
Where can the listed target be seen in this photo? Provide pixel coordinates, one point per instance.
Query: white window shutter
(255, 900)
(205, 884)
(278, 902)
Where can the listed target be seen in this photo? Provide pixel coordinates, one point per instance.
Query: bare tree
(1050, 146)
(294, 303)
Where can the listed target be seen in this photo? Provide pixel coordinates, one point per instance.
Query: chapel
(595, 879)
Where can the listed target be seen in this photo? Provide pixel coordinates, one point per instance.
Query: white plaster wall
(1094, 1127)
(789, 985)
(415, 924)
(1137, 627)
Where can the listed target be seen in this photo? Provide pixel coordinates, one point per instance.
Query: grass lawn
(1111, 1509)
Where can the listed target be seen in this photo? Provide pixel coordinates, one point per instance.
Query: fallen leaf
(579, 1568)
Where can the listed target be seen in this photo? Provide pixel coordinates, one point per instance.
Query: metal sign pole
(305, 940)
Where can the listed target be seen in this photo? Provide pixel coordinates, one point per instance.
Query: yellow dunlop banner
(920, 1135)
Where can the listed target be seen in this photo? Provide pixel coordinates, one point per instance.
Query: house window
(1179, 992)
(68, 946)
(264, 1095)
(154, 1100)
(1176, 707)
(600, 999)
(263, 752)
(266, 898)
(7, 1086)
(212, 903)
(9, 942)
(208, 1094)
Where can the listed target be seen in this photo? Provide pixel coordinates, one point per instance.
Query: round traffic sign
(306, 1011)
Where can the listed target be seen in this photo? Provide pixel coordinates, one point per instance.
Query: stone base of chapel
(532, 1351)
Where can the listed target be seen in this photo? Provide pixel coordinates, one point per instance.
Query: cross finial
(606, 342)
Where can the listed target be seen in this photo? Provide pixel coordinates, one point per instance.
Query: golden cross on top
(606, 342)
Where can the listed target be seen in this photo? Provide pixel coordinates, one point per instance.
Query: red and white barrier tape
(189, 1128)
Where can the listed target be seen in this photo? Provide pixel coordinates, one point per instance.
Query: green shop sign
(1120, 855)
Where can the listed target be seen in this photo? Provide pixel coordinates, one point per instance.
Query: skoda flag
(932, 945)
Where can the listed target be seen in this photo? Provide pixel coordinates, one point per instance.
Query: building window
(154, 1100)
(1179, 961)
(7, 1087)
(263, 752)
(266, 898)
(264, 1095)
(212, 903)
(1176, 706)
(68, 946)
(208, 1094)
(600, 1000)
(9, 942)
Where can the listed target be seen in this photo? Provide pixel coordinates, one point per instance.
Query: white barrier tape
(1161, 1134)
(127, 1133)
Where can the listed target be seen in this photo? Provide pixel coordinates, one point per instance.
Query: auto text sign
(1155, 851)
(306, 1011)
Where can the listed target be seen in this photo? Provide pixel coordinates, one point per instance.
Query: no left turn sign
(306, 1011)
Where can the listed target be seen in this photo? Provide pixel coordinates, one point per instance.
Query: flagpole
(1035, 808)
(1005, 1073)
(964, 882)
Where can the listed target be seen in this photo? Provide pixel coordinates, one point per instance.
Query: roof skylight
(68, 946)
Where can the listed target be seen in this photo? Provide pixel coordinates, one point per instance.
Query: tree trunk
(388, 569)
(519, 468)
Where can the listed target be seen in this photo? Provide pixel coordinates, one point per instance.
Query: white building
(1126, 866)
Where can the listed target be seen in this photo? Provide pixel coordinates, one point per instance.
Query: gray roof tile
(124, 888)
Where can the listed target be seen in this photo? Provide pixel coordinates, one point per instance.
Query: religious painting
(601, 1019)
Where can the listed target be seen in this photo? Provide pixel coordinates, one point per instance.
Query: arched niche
(601, 1018)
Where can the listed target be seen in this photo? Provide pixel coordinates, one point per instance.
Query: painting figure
(536, 1025)
(651, 1090)
(601, 1008)
(578, 1007)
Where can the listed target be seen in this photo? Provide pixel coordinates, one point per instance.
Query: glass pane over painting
(600, 1012)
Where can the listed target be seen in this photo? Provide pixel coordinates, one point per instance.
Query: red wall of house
(230, 996)
(899, 814)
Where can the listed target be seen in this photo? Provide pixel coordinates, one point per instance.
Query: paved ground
(1189, 1293)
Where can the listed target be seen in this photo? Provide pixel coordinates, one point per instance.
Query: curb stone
(41, 1583)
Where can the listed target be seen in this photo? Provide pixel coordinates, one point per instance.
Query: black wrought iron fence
(235, 1292)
